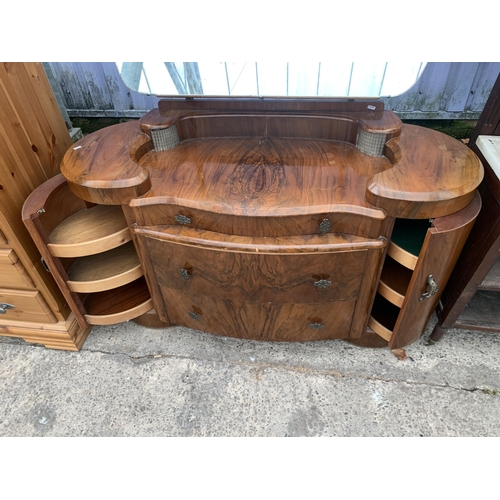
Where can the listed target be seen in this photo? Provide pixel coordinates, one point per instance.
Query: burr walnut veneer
(284, 219)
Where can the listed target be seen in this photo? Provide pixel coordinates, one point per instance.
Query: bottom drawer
(28, 305)
(260, 321)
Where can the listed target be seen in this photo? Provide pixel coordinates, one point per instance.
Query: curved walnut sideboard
(285, 219)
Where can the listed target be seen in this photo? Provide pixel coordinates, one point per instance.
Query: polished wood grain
(258, 270)
(434, 175)
(417, 178)
(369, 225)
(306, 244)
(240, 271)
(260, 321)
(251, 177)
(395, 184)
(283, 126)
(356, 113)
(108, 151)
(263, 196)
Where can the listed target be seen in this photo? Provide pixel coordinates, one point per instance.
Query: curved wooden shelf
(380, 329)
(390, 294)
(120, 304)
(111, 269)
(407, 239)
(400, 255)
(89, 231)
(384, 316)
(394, 281)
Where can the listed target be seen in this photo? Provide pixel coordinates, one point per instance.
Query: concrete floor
(129, 380)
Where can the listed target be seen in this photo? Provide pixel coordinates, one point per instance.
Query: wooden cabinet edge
(111, 319)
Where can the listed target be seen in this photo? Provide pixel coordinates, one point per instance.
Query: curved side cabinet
(88, 250)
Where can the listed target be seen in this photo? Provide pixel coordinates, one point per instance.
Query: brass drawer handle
(182, 219)
(184, 273)
(4, 307)
(325, 226)
(316, 326)
(194, 315)
(432, 288)
(322, 283)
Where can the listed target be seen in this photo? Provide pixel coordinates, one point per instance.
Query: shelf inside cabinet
(383, 317)
(120, 304)
(407, 239)
(89, 231)
(104, 271)
(394, 281)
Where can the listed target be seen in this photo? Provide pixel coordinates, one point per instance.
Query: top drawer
(12, 272)
(367, 223)
(276, 270)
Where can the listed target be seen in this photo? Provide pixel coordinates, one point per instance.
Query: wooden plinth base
(67, 336)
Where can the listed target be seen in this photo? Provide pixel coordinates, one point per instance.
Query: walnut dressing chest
(273, 219)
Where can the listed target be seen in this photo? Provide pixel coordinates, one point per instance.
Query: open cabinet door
(442, 246)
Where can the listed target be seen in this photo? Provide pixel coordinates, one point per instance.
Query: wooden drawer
(260, 320)
(29, 306)
(12, 272)
(309, 269)
(368, 223)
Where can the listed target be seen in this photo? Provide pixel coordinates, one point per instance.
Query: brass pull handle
(184, 273)
(322, 283)
(4, 307)
(432, 288)
(324, 226)
(182, 219)
(194, 315)
(316, 326)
